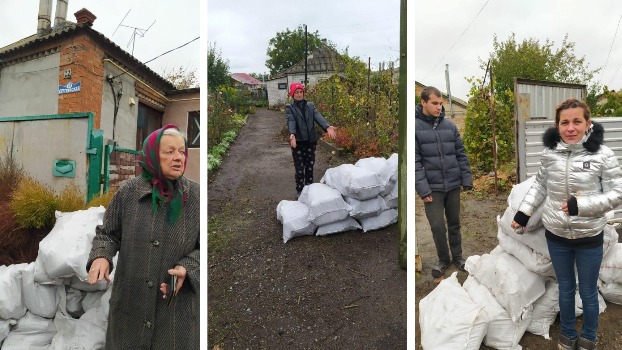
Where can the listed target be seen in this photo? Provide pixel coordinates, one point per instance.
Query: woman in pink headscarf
(301, 119)
(153, 223)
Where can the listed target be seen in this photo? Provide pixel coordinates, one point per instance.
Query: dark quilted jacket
(148, 246)
(441, 163)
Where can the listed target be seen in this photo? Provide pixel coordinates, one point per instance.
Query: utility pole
(401, 158)
(306, 54)
(451, 107)
(494, 137)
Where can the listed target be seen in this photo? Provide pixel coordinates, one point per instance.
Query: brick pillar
(85, 60)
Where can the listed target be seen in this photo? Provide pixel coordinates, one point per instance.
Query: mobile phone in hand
(170, 288)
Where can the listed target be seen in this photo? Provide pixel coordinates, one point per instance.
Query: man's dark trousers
(447, 203)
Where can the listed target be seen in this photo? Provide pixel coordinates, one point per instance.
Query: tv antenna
(136, 31)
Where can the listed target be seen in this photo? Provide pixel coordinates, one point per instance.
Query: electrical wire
(457, 41)
(169, 51)
(611, 47)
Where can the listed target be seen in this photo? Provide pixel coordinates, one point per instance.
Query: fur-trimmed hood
(552, 138)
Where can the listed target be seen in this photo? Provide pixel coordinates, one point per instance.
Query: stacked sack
(349, 197)
(514, 286)
(48, 304)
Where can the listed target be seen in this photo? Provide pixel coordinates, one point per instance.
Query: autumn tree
(217, 68)
(528, 59)
(288, 48)
(182, 77)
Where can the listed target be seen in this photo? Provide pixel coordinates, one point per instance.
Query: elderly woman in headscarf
(153, 223)
(301, 119)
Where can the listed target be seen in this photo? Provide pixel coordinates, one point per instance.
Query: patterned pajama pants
(304, 158)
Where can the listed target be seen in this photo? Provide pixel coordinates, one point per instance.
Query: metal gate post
(107, 152)
(95, 152)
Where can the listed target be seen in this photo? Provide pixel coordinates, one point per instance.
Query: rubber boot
(565, 343)
(585, 344)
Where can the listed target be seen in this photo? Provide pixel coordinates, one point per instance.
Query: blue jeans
(588, 262)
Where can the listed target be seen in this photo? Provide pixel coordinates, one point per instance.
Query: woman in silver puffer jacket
(579, 181)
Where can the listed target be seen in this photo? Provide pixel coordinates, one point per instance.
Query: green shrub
(10, 175)
(212, 162)
(102, 199)
(33, 204)
(70, 199)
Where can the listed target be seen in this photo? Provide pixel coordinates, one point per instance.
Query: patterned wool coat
(148, 246)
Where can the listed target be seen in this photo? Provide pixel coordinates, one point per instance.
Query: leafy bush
(33, 204)
(212, 162)
(102, 199)
(70, 199)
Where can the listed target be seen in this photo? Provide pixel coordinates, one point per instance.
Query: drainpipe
(61, 13)
(43, 20)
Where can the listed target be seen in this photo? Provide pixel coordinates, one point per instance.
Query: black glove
(573, 208)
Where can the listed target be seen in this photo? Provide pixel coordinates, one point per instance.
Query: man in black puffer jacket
(441, 168)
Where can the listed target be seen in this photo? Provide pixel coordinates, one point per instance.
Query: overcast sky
(176, 23)
(242, 29)
(591, 25)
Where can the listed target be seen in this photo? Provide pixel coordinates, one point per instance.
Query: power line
(611, 47)
(169, 51)
(460, 37)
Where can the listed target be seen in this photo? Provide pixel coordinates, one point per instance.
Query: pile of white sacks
(349, 197)
(48, 304)
(510, 291)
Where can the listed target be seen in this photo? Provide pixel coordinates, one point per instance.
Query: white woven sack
(531, 259)
(393, 163)
(514, 287)
(391, 199)
(294, 216)
(347, 224)
(502, 333)
(545, 310)
(31, 333)
(534, 239)
(86, 333)
(11, 300)
(517, 194)
(366, 208)
(382, 168)
(39, 299)
(611, 292)
(611, 267)
(325, 204)
(450, 320)
(64, 252)
(353, 181)
(384, 219)
(610, 238)
(5, 328)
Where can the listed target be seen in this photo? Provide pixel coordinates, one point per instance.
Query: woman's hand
(331, 132)
(517, 227)
(565, 207)
(100, 269)
(178, 271)
(292, 140)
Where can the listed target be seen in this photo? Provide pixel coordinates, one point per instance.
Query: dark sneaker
(439, 269)
(460, 264)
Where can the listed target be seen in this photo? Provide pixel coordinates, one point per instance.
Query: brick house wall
(123, 166)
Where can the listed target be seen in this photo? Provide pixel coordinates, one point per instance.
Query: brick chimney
(85, 16)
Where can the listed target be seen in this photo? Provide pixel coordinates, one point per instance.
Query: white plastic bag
(31, 333)
(384, 219)
(531, 259)
(391, 199)
(325, 204)
(545, 310)
(353, 181)
(295, 218)
(366, 208)
(517, 194)
(534, 239)
(382, 168)
(611, 267)
(347, 224)
(612, 292)
(65, 250)
(39, 299)
(450, 320)
(11, 300)
(503, 333)
(514, 287)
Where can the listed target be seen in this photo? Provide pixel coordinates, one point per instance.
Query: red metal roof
(245, 79)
